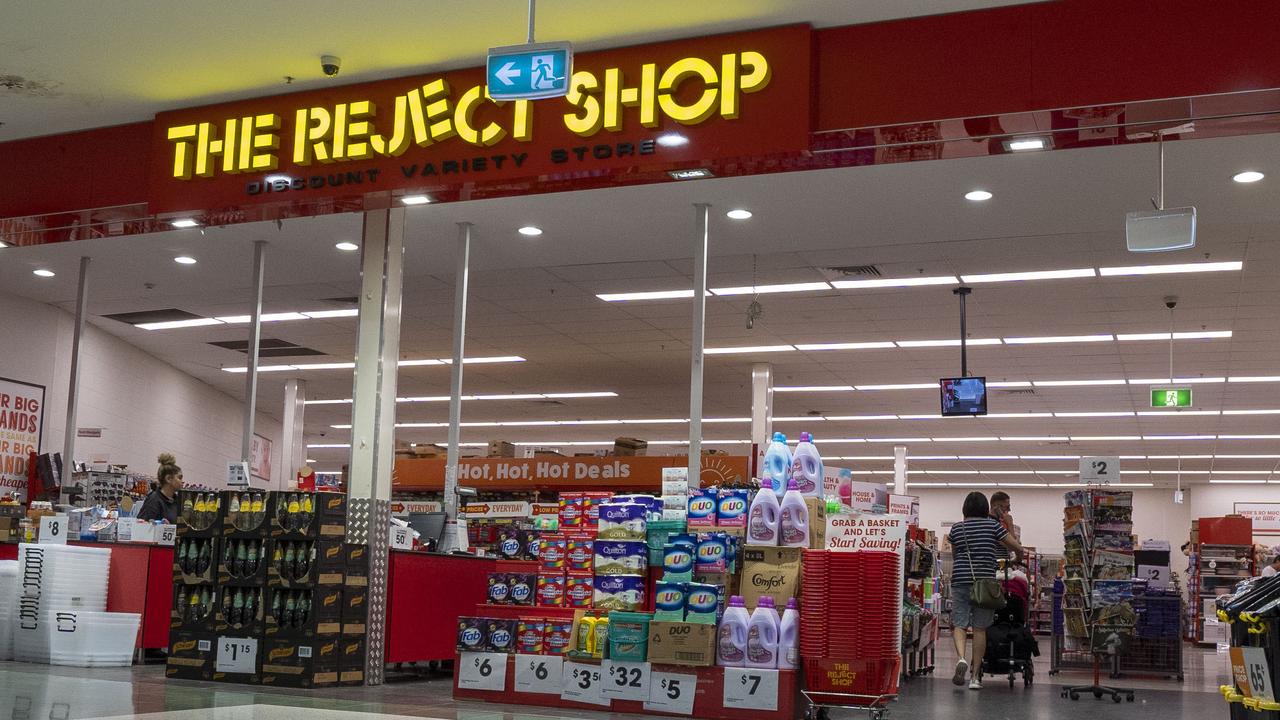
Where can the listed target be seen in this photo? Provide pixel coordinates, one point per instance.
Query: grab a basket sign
(864, 532)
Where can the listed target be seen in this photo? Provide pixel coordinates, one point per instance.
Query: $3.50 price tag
(751, 689)
(539, 674)
(237, 655)
(583, 683)
(482, 671)
(626, 680)
(671, 693)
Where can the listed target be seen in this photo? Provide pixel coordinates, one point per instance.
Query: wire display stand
(1156, 645)
(820, 702)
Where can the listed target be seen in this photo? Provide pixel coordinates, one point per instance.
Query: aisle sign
(626, 680)
(671, 693)
(236, 655)
(1099, 470)
(53, 530)
(542, 674)
(482, 671)
(1170, 397)
(1251, 673)
(856, 532)
(583, 683)
(751, 689)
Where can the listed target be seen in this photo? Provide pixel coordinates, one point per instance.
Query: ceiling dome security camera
(330, 64)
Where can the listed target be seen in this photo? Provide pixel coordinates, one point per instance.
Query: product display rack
(1042, 610)
(919, 622)
(1213, 570)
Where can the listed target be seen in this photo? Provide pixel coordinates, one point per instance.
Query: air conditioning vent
(859, 270)
(269, 348)
(1017, 391)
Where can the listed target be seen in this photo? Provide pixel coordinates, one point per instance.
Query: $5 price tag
(583, 683)
(626, 680)
(751, 689)
(672, 693)
(539, 674)
(482, 671)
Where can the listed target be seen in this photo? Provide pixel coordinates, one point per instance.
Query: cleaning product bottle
(601, 638)
(762, 635)
(789, 637)
(731, 640)
(762, 524)
(777, 464)
(585, 642)
(806, 467)
(793, 518)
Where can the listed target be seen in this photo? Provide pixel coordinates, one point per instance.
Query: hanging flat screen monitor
(963, 396)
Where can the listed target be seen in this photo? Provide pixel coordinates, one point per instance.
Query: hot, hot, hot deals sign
(21, 422)
(725, 96)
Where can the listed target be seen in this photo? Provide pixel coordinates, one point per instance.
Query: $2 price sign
(672, 693)
(482, 671)
(539, 674)
(583, 683)
(626, 680)
(751, 689)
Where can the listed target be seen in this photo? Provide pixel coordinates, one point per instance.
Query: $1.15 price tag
(626, 680)
(671, 693)
(539, 674)
(751, 689)
(237, 655)
(482, 671)
(583, 683)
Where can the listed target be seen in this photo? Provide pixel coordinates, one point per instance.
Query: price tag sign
(168, 534)
(751, 689)
(626, 680)
(671, 693)
(53, 530)
(583, 683)
(1099, 470)
(237, 655)
(539, 674)
(1252, 674)
(482, 671)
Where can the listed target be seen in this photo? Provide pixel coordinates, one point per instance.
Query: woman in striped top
(974, 549)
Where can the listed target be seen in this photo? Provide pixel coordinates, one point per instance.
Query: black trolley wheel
(1116, 697)
(1129, 697)
(1075, 696)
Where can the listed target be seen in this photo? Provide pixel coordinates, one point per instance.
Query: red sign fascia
(772, 120)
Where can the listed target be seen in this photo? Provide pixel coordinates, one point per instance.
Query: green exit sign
(1173, 397)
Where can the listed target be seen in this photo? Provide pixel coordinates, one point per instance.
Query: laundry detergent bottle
(762, 523)
(793, 518)
(789, 637)
(762, 635)
(806, 467)
(777, 464)
(731, 639)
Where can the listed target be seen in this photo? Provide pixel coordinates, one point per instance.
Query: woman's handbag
(986, 592)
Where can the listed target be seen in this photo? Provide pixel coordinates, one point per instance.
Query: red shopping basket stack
(851, 631)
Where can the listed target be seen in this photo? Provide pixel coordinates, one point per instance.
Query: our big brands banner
(21, 422)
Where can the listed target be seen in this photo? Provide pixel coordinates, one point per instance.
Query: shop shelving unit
(1048, 567)
(1215, 570)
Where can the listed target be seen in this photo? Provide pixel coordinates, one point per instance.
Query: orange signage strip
(550, 472)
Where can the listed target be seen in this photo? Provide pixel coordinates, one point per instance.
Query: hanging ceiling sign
(1171, 397)
(659, 107)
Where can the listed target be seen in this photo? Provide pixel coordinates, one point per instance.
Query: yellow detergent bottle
(586, 640)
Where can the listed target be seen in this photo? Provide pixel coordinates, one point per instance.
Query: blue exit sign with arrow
(529, 72)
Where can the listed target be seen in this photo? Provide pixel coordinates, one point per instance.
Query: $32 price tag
(751, 689)
(583, 683)
(539, 674)
(626, 680)
(671, 693)
(482, 671)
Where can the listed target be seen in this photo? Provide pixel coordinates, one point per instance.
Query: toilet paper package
(619, 592)
(621, 557)
(623, 521)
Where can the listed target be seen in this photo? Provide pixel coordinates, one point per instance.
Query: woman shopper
(974, 542)
(162, 502)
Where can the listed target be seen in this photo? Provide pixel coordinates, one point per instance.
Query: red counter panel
(426, 594)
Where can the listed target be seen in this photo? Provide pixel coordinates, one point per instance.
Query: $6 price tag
(482, 671)
(539, 674)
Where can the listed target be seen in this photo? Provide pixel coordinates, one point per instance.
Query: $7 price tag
(583, 683)
(672, 693)
(482, 671)
(751, 689)
(539, 674)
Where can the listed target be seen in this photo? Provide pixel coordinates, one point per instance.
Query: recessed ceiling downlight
(41, 272)
(415, 199)
(347, 246)
(185, 260)
(1248, 176)
(530, 231)
(977, 195)
(739, 214)
(184, 223)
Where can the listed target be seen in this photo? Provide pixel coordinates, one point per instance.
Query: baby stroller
(1010, 644)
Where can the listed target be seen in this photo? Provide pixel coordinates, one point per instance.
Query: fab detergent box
(511, 544)
(521, 588)
(500, 636)
(621, 557)
(619, 592)
(499, 589)
(702, 508)
(471, 634)
(731, 508)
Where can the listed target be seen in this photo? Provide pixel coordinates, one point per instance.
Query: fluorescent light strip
(1079, 383)
(651, 295)
(1056, 339)
(1254, 379)
(1203, 335)
(1119, 413)
(1174, 268)
(846, 346)
(899, 386)
(402, 363)
(1216, 481)
(947, 343)
(769, 289)
(895, 282)
(749, 349)
(815, 388)
(175, 324)
(1177, 381)
(1035, 275)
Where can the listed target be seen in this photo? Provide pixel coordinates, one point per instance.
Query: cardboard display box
(183, 618)
(356, 559)
(355, 602)
(817, 523)
(191, 656)
(326, 564)
(501, 449)
(351, 661)
(629, 447)
(772, 571)
(9, 529)
(303, 664)
(251, 570)
(682, 643)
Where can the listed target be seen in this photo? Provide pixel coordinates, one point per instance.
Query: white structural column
(697, 341)
(373, 411)
(73, 386)
(900, 470)
(461, 281)
(255, 336)
(761, 409)
(293, 448)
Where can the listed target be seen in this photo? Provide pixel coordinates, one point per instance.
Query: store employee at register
(162, 501)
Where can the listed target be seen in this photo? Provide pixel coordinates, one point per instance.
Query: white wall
(144, 405)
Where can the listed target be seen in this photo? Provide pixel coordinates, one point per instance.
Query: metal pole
(761, 412)
(293, 451)
(461, 280)
(73, 388)
(255, 336)
(900, 470)
(963, 292)
(701, 213)
(1160, 143)
(531, 8)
